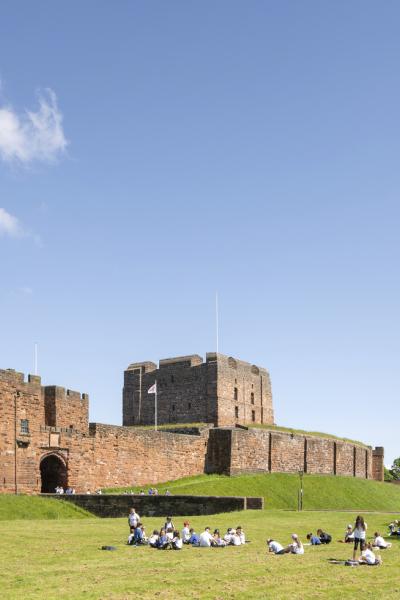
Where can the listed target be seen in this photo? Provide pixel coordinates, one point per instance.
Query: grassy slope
(280, 490)
(62, 560)
(33, 507)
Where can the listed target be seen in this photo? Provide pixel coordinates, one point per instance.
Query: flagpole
(155, 408)
(216, 317)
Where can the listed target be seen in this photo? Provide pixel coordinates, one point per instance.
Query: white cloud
(25, 290)
(9, 225)
(32, 136)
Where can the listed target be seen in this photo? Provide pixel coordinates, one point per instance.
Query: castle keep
(222, 391)
(46, 438)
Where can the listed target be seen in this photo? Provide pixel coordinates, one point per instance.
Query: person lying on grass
(379, 542)
(296, 547)
(275, 547)
(368, 557)
(325, 538)
(313, 539)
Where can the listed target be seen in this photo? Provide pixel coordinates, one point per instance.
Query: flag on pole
(152, 389)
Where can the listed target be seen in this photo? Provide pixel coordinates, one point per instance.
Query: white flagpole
(155, 408)
(35, 359)
(216, 318)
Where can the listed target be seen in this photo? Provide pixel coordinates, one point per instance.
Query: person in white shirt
(379, 542)
(176, 543)
(217, 539)
(206, 538)
(133, 519)
(368, 557)
(228, 536)
(185, 532)
(153, 539)
(275, 547)
(360, 533)
(240, 533)
(296, 547)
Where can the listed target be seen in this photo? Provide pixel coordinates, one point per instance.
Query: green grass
(280, 490)
(62, 560)
(171, 426)
(34, 507)
(303, 432)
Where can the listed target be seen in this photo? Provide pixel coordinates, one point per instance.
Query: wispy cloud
(32, 136)
(9, 225)
(25, 290)
(12, 227)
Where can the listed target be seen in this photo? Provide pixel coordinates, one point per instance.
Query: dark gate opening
(53, 473)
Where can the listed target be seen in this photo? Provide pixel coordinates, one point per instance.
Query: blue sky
(152, 153)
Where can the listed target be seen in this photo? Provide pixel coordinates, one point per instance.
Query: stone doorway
(53, 473)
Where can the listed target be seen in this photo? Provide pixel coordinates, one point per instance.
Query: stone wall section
(37, 421)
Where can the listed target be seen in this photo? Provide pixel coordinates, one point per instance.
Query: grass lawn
(280, 490)
(31, 507)
(61, 559)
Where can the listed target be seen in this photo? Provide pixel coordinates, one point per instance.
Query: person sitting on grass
(394, 528)
(296, 547)
(163, 541)
(176, 543)
(324, 537)
(153, 539)
(228, 536)
(218, 539)
(360, 533)
(368, 557)
(194, 539)
(240, 534)
(348, 535)
(206, 539)
(313, 539)
(185, 532)
(379, 542)
(275, 547)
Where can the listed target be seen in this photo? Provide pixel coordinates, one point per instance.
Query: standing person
(133, 519)
(360, 534)
(169, 526)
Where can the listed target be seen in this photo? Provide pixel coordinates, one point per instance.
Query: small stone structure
(46, 438)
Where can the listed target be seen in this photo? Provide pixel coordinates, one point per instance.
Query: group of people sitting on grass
(354, 534)
(150, 492)
(169, 537)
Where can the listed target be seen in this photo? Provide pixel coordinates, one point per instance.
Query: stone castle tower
(222, 390)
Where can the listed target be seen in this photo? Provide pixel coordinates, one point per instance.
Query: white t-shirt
(178, 542)
(185, 534)
(369, 556)
(242, 538)
(133, 519)
(275, 546)
(153, 538)
(379, 541)
(205, 539)
(297, 548)
(235, 540)
(360, 533)
(228, 538)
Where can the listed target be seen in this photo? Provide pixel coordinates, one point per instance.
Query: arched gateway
(53, 472)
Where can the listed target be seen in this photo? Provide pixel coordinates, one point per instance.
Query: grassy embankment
(62, 560)
(280, 491)
(33, 507)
